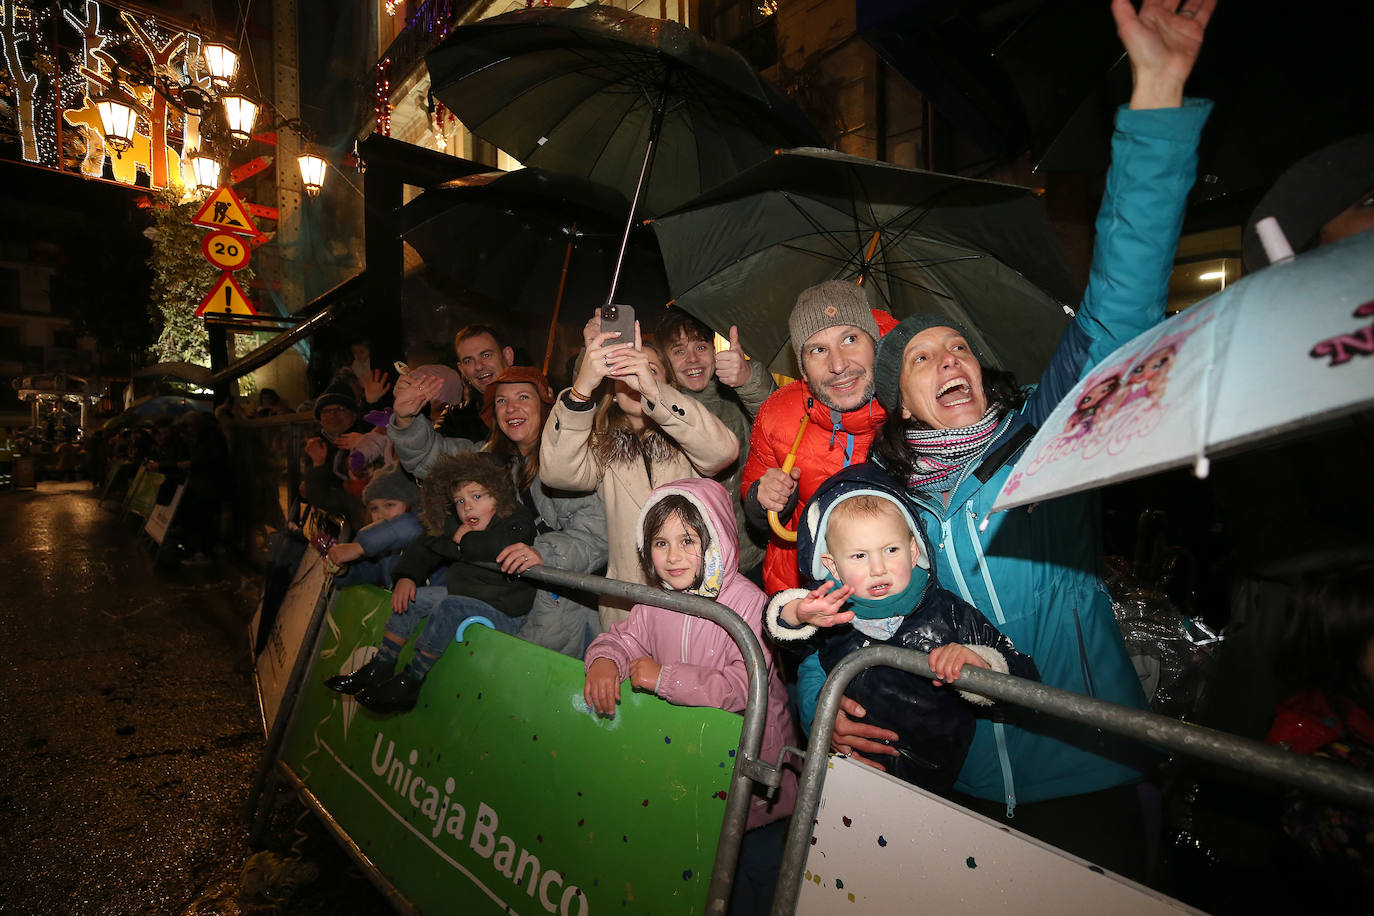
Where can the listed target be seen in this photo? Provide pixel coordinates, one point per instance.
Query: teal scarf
(897, 605)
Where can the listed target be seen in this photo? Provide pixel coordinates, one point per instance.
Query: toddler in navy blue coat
(861, 542)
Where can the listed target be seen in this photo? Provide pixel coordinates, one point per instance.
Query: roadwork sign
(226, 298)
(224, 210)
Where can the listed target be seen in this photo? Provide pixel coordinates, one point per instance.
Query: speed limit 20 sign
(225, 250)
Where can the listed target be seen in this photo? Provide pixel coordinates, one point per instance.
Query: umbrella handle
(773, 521)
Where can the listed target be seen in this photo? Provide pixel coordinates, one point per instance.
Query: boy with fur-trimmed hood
(470, 513)
(859, 540)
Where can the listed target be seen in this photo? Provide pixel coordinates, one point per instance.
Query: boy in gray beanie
(392, 501)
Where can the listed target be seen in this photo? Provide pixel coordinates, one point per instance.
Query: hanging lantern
(241, 112)
(221, 62)
(206, 172)
(118, 120)
(312, 172)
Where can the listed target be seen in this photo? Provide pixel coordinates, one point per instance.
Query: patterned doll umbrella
(1279, 351)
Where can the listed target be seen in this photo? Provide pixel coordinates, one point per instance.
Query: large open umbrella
(642, 105)
(1279, 351)
(982, 253)
(534, 242)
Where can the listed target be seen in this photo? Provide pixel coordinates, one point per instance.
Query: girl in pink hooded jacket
(687, 541)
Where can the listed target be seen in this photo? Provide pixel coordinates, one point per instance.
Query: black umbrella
(642, 105)
(535, 243)
(982, 253)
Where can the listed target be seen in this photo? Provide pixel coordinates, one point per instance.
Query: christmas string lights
(382, 103)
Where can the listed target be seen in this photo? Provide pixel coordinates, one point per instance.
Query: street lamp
(312, 172)
(240, 112)
(117, 118)
(221, 62)
(206, 172)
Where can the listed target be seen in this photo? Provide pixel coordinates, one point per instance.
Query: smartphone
(619, 318)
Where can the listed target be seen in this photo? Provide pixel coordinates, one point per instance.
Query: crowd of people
(662, 461)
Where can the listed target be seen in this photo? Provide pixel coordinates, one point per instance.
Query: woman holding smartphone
(639, 433)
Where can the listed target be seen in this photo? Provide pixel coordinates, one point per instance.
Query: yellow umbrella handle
(773, 521)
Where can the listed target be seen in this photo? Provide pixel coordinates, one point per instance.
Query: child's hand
(463, 529)
(345, 553)
(348, 440)
(602, 688)
(377, 384)
(948, 661)
(644, 673)
(316, 450)
(402, 594)
(821, 608)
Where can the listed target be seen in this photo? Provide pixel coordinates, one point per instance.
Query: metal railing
(1342, 783)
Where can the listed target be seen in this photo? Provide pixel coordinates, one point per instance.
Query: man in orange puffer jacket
(835, 337)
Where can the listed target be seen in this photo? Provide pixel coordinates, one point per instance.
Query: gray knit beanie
(825, 305)
(392, 484)
(888, 384)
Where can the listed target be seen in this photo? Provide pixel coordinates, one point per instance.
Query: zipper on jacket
(686, 632)
(999, 732)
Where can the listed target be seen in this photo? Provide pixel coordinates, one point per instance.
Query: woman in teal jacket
(955, 429)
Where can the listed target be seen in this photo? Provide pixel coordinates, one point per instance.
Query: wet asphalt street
(130, 728)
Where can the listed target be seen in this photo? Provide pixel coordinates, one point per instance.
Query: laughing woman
(954, 429)
(571, 526)
(641, 434)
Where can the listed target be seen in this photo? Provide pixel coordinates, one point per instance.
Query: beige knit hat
(826, 305)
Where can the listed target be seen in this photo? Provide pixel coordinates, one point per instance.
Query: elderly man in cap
(327, 468)
(834, 337)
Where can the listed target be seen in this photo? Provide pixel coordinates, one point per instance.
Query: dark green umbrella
(982, 253)
(645, 106)
(535, 243)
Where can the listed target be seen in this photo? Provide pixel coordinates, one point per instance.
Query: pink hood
(701, 665)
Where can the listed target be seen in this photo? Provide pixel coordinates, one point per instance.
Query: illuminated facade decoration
(62, 59)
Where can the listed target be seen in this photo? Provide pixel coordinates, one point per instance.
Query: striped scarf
(941, 454)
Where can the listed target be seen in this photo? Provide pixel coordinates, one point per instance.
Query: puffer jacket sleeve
(566, 461)
(723, 683)
(578, 543)
(418, 445)
(391, 535)
(628, 640)
(1154, 162)
(973, 629)
(761, 453)
(708, 443)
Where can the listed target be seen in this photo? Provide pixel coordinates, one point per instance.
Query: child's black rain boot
(396, 695)
(371, 674)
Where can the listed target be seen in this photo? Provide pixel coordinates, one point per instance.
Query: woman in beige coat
(641, 434)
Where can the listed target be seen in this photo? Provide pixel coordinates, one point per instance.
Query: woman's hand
(597, 360)
(402, 593)
(375, 386)
(644, 673)
(632, 367)
(857, 739)
(413, 392)
(602, 688)
(1163, 46)
(823, 607)
(516, 558)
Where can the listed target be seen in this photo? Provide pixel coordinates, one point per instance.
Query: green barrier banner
(501, 792)
(143, 492)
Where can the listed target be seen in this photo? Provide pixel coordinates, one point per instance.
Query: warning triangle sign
(226, 298)
(224, 210)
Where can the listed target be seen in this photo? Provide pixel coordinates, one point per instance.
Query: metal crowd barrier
(1318, 776)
